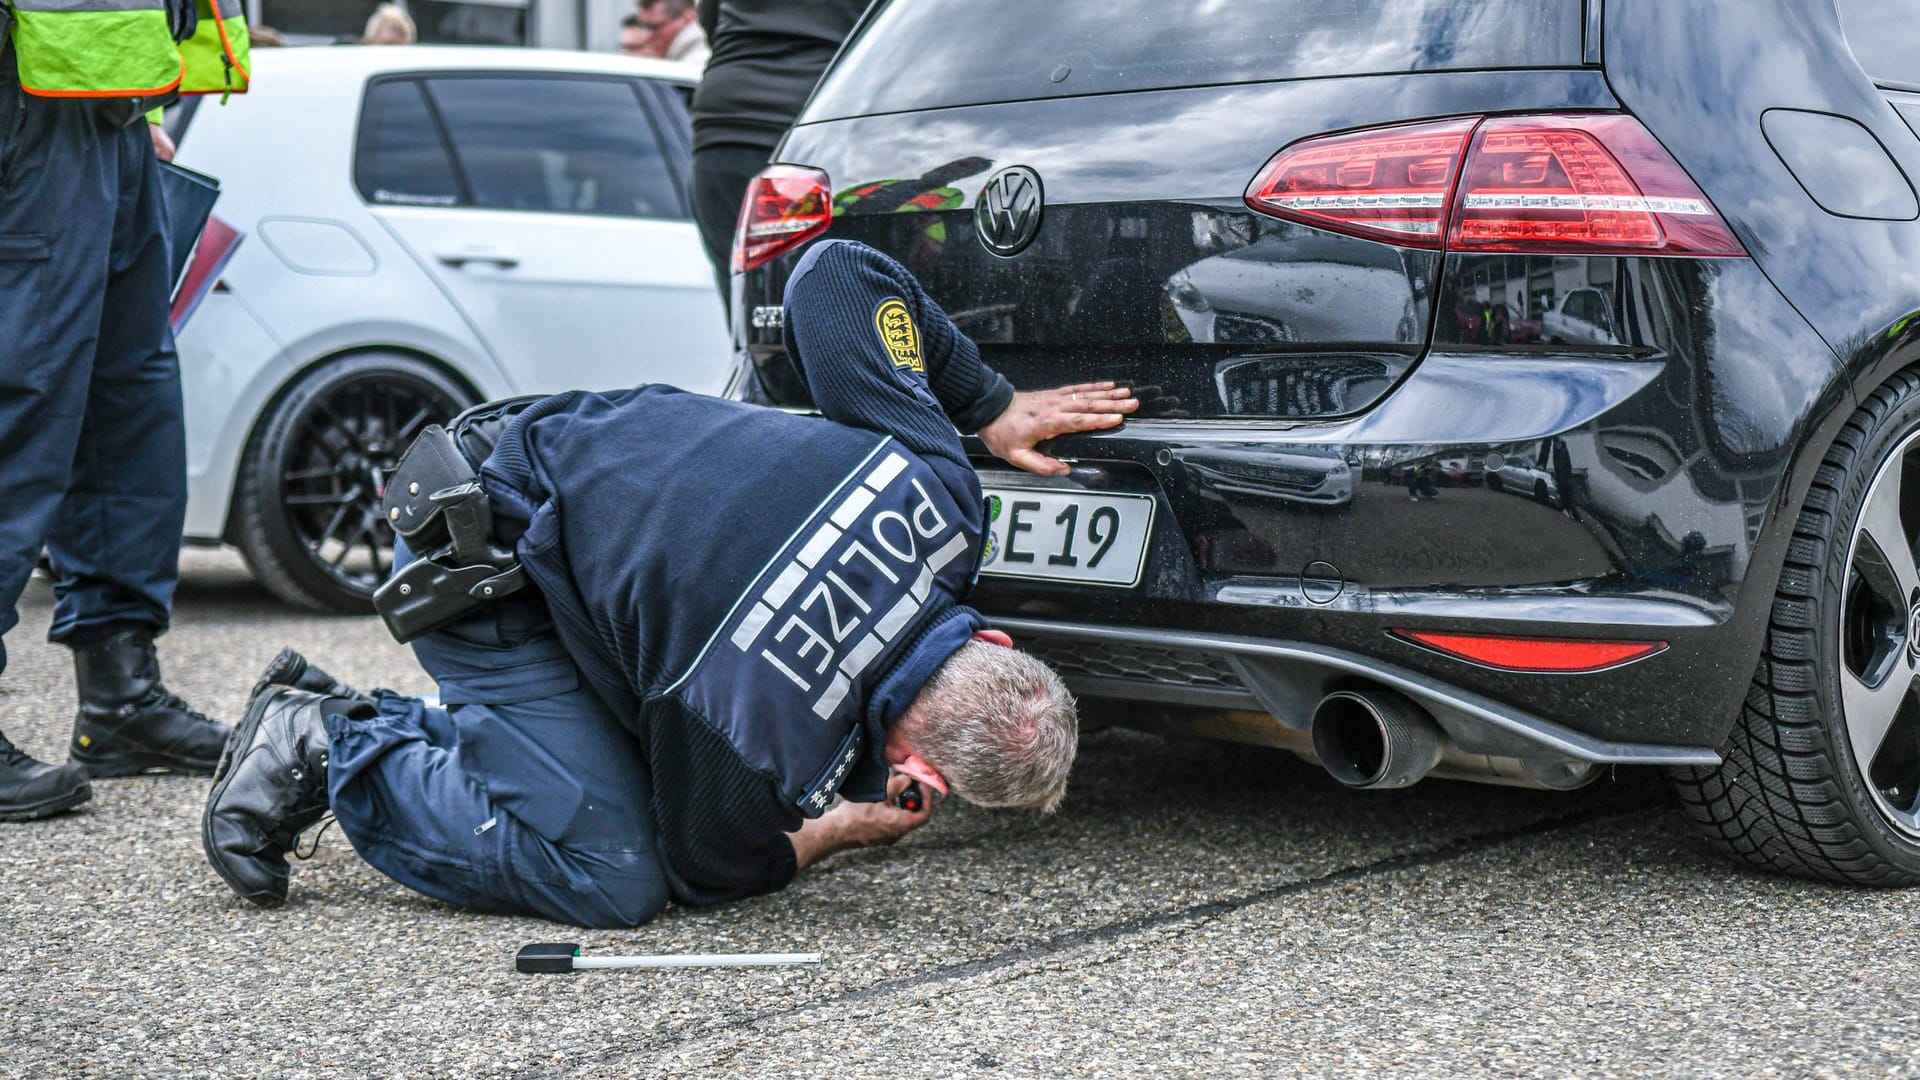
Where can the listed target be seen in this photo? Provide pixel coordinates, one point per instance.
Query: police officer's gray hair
(999, 725)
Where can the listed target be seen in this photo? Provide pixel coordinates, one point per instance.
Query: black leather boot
(271, 784)
(33, 789)
(129, 722)
(291, 669)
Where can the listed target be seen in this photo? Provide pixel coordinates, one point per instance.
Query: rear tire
(1820, 777)
(307, 504)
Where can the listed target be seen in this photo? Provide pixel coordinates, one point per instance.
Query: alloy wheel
(1880, 639)
(334, 472)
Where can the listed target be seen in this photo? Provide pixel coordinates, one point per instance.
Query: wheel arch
(1862, 365)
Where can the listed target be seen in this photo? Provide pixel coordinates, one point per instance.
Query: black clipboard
(188, 198)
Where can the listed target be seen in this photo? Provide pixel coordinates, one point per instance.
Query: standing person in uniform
(697, 622)
(767, 54)
(92, 444)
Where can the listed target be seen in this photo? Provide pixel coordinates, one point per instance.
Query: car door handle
(461, 258)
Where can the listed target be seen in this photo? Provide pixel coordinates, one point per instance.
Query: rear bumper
(1277, 592)
(1662, 479)
(1287, 679)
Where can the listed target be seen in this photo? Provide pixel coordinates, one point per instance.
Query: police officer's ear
(902, 758)
(994, 637)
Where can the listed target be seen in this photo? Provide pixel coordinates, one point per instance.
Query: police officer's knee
(629, 891)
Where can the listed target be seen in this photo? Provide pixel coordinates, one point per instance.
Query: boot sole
(288, 667)
(48, 807)
(280, 671)
(243, 733)
(124, 765)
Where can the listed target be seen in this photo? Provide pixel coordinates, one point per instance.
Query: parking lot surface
(1193, 907)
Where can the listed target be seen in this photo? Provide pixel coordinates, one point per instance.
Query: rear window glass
(580, 146)
(922, 54)
(401, 158)
(1885, 35)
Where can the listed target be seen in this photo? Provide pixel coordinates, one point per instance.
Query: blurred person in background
(635, 40)
(388, 25)
(674, 33)
(767, 54)
(93, 466)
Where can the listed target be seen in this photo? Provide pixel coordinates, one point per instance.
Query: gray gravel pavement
(1194, 907)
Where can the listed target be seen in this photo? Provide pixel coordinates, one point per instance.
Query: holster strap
(435, 502)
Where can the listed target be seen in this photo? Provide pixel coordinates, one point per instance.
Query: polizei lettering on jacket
(817, 627)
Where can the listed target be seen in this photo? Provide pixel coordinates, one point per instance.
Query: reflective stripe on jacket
(125, 48)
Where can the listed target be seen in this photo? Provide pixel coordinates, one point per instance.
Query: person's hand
(881, 823)
(1036, 416)
(162, 142)
(852, 824)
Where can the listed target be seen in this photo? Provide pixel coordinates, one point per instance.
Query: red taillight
(1567, 656)
(1389, 184)
(216, 246)
(785, 206)
(1580, 185)
(1573, 184)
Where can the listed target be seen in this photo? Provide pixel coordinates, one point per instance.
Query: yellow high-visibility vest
(124, 48)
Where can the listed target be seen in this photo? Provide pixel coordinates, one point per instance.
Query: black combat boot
(291, 669)
(32, 789)
(129, 722)
(271, 784)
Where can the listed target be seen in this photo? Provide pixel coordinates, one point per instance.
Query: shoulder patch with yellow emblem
(898, 334)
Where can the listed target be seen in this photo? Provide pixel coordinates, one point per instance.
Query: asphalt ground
(1193, 908)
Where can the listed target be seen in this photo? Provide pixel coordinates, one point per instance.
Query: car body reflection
(1229, 476)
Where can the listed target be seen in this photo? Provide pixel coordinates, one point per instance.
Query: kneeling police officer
(670, 631)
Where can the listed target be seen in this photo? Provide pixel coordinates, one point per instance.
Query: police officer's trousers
(523, 795)
(92, 442)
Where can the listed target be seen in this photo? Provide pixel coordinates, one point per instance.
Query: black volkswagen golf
(1529, 385)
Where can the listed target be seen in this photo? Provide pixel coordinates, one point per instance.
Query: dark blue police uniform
(92, 442)
(733, 605)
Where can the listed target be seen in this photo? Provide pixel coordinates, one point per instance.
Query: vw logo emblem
(1007, 214)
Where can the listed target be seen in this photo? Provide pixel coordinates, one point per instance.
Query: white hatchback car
(425, 228)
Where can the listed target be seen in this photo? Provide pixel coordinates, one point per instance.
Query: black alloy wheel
(1821, 776)
(307, 509)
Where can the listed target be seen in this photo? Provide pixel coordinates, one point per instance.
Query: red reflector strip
(1567, 656)
(217, 244)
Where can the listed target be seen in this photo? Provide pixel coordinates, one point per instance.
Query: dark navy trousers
(92, 441)
(522, 795)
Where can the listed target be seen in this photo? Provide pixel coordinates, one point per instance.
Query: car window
(568, 145)
(401, 158)
(1885, 35)
(922, 54)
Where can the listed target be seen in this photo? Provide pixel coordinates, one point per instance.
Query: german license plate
(1072, 536)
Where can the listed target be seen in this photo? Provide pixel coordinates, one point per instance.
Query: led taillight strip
(1556, 184)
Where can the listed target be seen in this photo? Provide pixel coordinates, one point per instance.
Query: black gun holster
(434, 501)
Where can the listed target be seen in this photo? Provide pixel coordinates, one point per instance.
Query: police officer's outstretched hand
(874, 824)
(1038, 415)
(858, 824)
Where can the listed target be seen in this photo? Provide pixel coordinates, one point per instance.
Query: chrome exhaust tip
(1374, 739)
